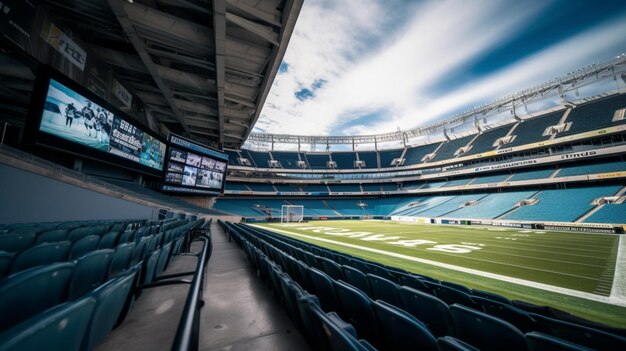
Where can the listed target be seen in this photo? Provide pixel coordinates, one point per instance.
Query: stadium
(152, 197)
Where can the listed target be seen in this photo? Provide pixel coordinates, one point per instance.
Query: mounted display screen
(70, 118)
(193, 168)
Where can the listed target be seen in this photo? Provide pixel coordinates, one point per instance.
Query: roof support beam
(254, 12)
(255, 28)
(120, 13)
(219, 24)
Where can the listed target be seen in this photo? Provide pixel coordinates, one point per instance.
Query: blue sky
(375, 66)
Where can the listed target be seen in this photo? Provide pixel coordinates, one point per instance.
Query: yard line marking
(618, 290)
(615, 300)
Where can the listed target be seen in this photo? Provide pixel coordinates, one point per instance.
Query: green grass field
(570, 271)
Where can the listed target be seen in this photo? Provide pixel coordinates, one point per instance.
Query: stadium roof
(202, 68)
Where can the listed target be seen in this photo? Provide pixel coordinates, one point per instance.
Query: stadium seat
(519, 318)
(490, 296)
(414, 282)
(542, 342)
(584, 336)
(151, 266)
(401, 331)
(84, 245)
(139, 251)
(484, 331)
(356, 308)
(62, 327)
(108, 240)
(380, 271)
(41, 254)
(324, 289)
(121, 258)
(110, 300)
(341, 335)
(449, 343)
(305, 277)
(125, 237)
(356, 278)
(459, 287)
(385, 290)
(16, 242)
(52, 236)
(79, 233)
(331, 268)
(164, 257)
(433, 312)
(313, 331)
(5, 262)
(451, 295)
(90, 271)
(27, 293)
(291, 293)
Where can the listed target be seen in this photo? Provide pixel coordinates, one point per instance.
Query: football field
(575, 272)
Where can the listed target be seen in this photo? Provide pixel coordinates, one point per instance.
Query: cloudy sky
(356, 67)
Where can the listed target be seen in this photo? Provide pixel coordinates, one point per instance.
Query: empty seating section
(389, 187)
(484, 142)
(531, 174)
(314, 188)
(604, 167)
(346, 188)
(447, 150)
(491, 179)
(414, 155)
(344, 160)
(51, 300)
(287, 187)
(458, 182)
(341, 302)
(387, 156)
(421, 204)
(595, 115)
(370, 158)
(563, 205)
(371, 187)
(609, 213)
(233, 157)
(452, 204)
(261, 187)
(531, 130)
(236, 186)
(287, 159)
(245, 208)
(258, 159)
(433, 184)
(492, 205)
(318, 161)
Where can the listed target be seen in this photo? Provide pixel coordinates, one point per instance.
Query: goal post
(291, 213)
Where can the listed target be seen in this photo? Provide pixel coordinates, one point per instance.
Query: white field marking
(525, 231)
(377, 237)
(618, 290)
(615, 300)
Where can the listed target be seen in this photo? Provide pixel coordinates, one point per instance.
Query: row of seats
(89, 295)
(447, 310)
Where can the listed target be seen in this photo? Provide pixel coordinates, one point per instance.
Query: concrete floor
(240, 312)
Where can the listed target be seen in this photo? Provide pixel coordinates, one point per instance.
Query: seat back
(433, 312)
(385, 290)
(484, 331)
(356, 278)
(91, 270)
(110, 300)
(324, 289)
(62, 327)
(52, 236)
(331, 268)
(121, 258)
(336, 330)
(400, 330)
(83, 246)
(519, 318)
(451, 295)
(491, 296)
(150, 267)
(449, 343)
(79, 233)
(108, 240)
(5, 262)
(164, 257)
(41, 254)
(356, 309)
(542, 342)
(16, 242)
(314, 333)
(29, 292)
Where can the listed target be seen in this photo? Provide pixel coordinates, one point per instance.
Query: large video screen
(193, 168)
(71, 116)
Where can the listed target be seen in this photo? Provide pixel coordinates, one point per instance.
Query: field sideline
(570, 271)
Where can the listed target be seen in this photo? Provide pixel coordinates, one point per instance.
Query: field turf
(558, 269)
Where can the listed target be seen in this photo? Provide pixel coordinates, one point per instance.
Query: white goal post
(291, 213)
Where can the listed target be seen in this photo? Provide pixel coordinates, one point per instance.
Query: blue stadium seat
(542, 342)
(356, 309)
(79, 233)
(491, 296)
(16, 242)
(151, 267)
(356, 278)
(52, 236)
(41, 254)
(5, 262)
(331, 268)
(433, 312)
(519, 318)
(485, 332)
(414, 282)
(110, 300)
(324, 289)
(452, 295)
(62, 327)
(400, 330)
(27, 293)
(90, 271)
(121, 258)
(108, 240)
(125, 237)
(341, 335)
(313, 330)
(291, 292)
(385, 290)
(584, 336)
(83, 246)
(449, 343)
(305, 278)
(139, 251)
(164, 257)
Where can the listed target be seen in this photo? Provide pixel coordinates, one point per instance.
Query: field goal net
(291, 213)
